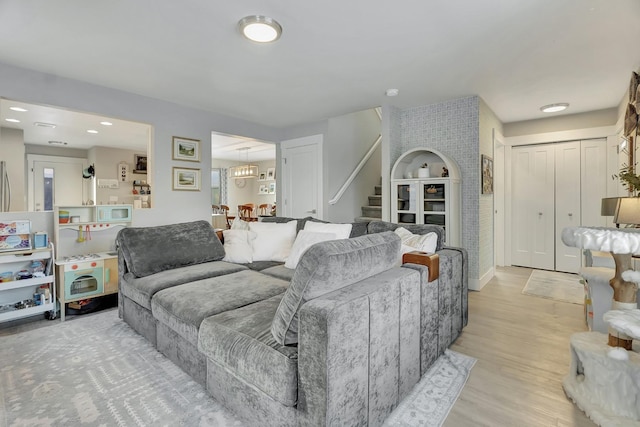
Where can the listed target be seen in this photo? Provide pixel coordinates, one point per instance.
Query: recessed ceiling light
(44, 125)
(261, 29)
(57, 143)
(22, 110)
(392, 92)
(92, 131)
(12, 120)
(106, 123)
(554, 108)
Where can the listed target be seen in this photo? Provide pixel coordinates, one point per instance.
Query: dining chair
(245, 212)
(264, 209)
(225, 209)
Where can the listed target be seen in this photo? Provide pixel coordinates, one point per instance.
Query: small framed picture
(264, 189)
(186, 179)
(271, 173)
(272, 188)
(262, 176)
(487, 174)
(140, 163)
(186, 149)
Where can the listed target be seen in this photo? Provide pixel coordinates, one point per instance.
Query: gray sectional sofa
(340, 340)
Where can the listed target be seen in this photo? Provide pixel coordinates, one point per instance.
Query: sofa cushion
(328, 266)
(261, 265)
(237, 245)
(358, 228)
(142, 289)
(149, 250)
(182, 308)
(241, 341)
(341, 231)
(304, 240)
(273, 242)
(279, 271)
(380, 226)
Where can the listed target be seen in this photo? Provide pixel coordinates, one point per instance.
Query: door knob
(570, 214)
(312, 211)
(540, 213)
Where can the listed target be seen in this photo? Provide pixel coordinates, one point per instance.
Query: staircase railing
(356, 171)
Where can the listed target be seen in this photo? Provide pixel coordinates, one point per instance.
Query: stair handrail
(356, 171)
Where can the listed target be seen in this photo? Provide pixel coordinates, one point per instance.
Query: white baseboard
(478, 284)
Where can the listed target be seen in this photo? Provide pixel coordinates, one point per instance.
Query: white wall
(349, 138)
(166, 118)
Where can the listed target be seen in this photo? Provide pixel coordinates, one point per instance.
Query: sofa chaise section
(356, 349)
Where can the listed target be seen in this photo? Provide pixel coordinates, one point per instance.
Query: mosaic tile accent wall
(451, 127)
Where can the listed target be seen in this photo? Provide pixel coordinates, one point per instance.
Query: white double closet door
(555, 186)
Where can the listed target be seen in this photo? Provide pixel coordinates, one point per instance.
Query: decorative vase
(423, 173)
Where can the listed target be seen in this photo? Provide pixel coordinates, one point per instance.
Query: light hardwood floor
(522, 346)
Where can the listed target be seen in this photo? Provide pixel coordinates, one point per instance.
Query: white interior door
(593, 180)
(301, 172)
(533, 170)
(499, 198)
(55, 181)
(568, 202)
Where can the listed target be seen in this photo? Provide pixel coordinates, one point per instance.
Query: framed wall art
(140, 163)
(186, 149)
(487, 174)
(272, 188)
(186, 179)
(271, 173)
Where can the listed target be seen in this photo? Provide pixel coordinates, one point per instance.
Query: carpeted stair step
(378, 190)
(372, 211)
(375, 200)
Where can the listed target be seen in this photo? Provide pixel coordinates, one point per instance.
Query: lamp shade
(608, 206)
(628, 211)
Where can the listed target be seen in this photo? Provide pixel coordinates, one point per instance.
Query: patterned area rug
(432, 398)
(95, 370)
(554, 285)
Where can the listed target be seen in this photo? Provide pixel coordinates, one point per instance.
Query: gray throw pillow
(150, 250)
(328, 266)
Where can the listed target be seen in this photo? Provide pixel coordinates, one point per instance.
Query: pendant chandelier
(244, 171)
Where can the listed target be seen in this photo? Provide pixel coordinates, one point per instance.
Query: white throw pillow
(342, 231)
(417, 242)
(237, 246)
(304, 240)
(273, 241)
(238, 224)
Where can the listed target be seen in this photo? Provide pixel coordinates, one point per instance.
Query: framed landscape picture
(186, 179)
(186, 149)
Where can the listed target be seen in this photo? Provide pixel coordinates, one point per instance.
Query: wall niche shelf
(431, 199)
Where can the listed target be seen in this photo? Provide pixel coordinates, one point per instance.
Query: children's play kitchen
(27, 282)
(87, 262)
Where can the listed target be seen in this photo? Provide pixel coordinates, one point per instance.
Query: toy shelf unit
(27, 285)
(427, 197)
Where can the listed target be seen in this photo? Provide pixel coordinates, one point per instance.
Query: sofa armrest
(359, 350)
(432, 261)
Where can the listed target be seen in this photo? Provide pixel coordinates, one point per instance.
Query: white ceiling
(336, 57)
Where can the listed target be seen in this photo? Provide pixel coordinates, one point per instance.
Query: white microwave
(114, 213)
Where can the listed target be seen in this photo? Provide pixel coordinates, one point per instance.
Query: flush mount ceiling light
(260, 29)
(44, 125)
(554, 108)
(22, 110)
(244, 171)
(392, 92)
(106, 123)
(12, 120)
(92, 131)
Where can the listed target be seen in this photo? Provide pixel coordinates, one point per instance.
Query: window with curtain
(218, 186)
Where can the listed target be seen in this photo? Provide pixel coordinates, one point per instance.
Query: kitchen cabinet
(28, 283)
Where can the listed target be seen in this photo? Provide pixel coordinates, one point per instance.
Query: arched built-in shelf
(418, 199)
(411, 161)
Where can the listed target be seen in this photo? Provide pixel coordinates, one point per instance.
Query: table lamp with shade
(627, 211)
